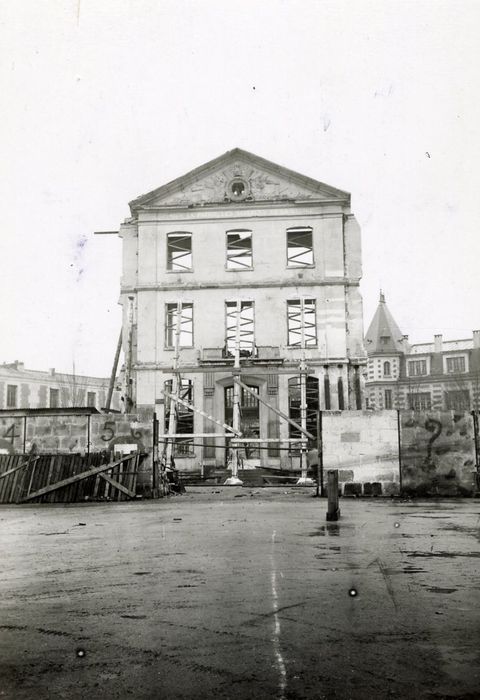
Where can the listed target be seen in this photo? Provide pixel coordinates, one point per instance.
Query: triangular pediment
(239, 176)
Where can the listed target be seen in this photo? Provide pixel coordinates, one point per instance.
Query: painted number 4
(10, 434)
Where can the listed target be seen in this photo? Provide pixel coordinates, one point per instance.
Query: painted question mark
(435, 427)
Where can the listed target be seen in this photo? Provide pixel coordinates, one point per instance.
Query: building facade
(443, 375)
(22, 388)
(242, 243)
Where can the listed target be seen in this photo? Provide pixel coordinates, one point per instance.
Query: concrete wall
(437, 450)
(62, 434)
(363, 446)
(75, 433)
(437, 453)
(11, 434)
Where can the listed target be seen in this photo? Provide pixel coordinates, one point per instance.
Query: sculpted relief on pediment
(238, 182)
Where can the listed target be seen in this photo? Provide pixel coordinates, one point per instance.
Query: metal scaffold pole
(304, 479)
(234, 479)
(172, 419)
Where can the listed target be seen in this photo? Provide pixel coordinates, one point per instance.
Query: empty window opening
(184, 416)
(54, 398)
(185, 329)
(238, 188)
(179, 251)
(239, 250)
(357, 387)
(326, 390)
(341, 396)
(301, 320)
(11, 396)
(299, 247)
(246, 328)
(294, 407)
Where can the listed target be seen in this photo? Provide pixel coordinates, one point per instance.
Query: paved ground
(232, 593)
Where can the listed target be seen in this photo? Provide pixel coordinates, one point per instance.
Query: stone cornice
(209, 215)
(332, 282)
(288, 367)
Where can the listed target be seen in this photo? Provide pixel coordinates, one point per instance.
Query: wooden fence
(69, 478)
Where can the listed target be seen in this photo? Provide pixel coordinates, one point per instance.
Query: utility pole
(129, 359)
(234, 479)
(113, 376)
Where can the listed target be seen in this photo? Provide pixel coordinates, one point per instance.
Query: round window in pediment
(238, 189)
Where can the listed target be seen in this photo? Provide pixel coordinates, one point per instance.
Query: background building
(241, 236)
(443, 375)
(28, 388)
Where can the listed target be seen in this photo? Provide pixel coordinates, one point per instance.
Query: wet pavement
(240, 593)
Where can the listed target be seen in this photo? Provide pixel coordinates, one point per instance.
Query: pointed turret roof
(383, 335)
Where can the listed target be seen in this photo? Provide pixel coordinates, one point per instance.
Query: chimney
(51, 371)
(438, 342)
(476, 339)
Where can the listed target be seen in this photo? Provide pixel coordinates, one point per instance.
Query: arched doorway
(249, 421)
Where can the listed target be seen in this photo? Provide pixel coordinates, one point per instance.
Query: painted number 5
(109, 428)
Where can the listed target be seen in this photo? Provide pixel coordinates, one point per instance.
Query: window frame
(301, 302)
(300, 265)
(425, 403)
(53, 392)
(228, 256)
(171, 328)
(388, 399)
(249, 303)
(8, 404)
(389, 373)
(169, 262)
(411, 362)
(89, 394)
(457, 358)
(466, 395)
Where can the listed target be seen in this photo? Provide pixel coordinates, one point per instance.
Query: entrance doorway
(249, 422)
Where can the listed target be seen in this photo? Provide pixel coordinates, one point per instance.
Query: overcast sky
(103, 100)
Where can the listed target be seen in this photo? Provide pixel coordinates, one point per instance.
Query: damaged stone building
(242, 255)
